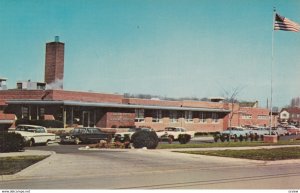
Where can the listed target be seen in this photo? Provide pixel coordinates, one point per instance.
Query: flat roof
(112, 105)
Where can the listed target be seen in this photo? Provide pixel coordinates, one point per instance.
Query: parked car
(235, 131)
(122, 134)
(279, 131)
(292, 130)
(85, 135)
(34, 134)
(174, 132)
(260, 131)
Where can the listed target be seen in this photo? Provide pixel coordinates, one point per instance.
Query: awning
(112, 105)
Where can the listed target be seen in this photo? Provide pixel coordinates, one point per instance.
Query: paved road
(71, 168)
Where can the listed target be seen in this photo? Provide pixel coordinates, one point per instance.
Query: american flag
(283, 23)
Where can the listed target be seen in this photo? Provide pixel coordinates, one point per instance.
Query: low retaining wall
(270, 139)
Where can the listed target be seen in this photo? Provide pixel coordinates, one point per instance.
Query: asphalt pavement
(76, 167)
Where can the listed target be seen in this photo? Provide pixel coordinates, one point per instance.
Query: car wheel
(170, 139)
(31, 142)
(77, 141)
(47, 143)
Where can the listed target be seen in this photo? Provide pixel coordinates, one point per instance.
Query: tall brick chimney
(54, 64)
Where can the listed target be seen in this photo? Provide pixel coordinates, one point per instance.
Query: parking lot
(71, 168)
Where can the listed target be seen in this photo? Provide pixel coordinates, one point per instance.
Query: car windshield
(26, 128)
(93, 130)
(86, 130)
(170, 129)
(40, 130)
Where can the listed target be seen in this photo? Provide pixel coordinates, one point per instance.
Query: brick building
(250, 114)
(111, 110)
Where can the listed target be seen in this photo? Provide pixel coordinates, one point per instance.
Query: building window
(173, 116)
(203, 117)
(215, 117)
(246, 116)
(139, 115)
(42, 113)
(19, 85)
(25, 112)
(157, 116)
(41, 86)
(188, 116)
(262, 117)
(284, 115)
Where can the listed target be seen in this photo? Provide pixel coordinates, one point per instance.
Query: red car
(292, 130)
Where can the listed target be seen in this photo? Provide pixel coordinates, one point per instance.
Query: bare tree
(231, 99)
(295, 102)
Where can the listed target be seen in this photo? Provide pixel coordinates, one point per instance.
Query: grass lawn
(258, 154)
(226, 144)
(12, 165)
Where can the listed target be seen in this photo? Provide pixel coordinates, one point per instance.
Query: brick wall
(6, 116)
(250, 116)
(196, 125)
(85, 96)
(59, 95)
(21, 94)
(117, 119)
(202, 104)
(151, 102)
(199, 104)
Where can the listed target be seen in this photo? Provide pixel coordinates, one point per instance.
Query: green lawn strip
(226, 144)
(254, 154)
(12, 165)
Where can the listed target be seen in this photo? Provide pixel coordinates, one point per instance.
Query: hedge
(144, 138)
(184, 138)
(11, 142)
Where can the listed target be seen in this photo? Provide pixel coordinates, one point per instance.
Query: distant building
(28, 85)
(250, 114)
(290, 115)
(3, 83)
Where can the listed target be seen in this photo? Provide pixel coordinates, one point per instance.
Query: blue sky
(174, 48)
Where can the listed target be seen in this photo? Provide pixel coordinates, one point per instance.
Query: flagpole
(272, 63)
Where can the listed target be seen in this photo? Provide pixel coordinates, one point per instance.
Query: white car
(34, 134)
(174, 132)
(260, 131)
(130, 132)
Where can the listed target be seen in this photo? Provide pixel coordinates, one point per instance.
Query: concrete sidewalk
(27, 153)
(65, 165)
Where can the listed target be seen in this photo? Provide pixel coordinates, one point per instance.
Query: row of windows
(247, 116)
(263, 117)
(25, 112)
(157, 115)
(295, 115)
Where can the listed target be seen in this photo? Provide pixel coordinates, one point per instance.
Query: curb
(102, 149)
(31, 167)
